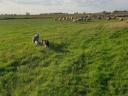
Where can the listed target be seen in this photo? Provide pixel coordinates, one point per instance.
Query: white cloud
(43, 6)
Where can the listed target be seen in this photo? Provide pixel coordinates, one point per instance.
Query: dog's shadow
(59, 48)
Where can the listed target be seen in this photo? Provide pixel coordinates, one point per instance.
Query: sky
(66, 6)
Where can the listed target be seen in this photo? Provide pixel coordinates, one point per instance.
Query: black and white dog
(36, 39)
(45, 43)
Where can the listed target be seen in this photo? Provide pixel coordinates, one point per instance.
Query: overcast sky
(70, 6)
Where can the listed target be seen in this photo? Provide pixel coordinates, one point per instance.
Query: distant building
(28, 14)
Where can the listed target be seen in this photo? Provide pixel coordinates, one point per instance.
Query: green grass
(84, 59)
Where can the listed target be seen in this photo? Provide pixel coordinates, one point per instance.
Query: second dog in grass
(45, 43)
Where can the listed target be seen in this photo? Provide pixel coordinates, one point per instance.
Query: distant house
(28, 14)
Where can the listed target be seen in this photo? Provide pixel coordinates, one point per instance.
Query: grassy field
(84, 59)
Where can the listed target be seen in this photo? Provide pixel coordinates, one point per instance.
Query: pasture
(84, 59)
